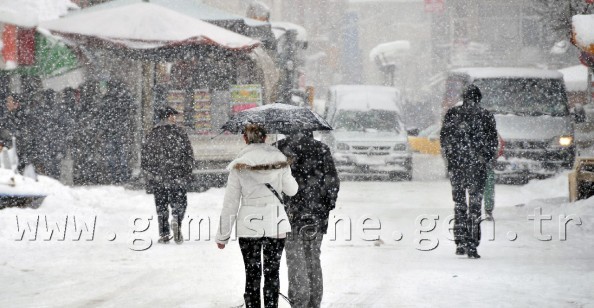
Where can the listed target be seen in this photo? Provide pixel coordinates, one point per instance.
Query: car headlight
(565, 141)
(343, 147)
(399, 147)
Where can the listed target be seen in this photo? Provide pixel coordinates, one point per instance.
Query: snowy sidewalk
(394, 272)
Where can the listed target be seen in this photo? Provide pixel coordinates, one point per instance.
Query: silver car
(369, 138)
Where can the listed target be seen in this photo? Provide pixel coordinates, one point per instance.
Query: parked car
(369, 137)
(427, 141)
(532, 115)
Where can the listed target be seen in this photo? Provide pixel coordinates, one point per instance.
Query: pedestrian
(86, 156)
(257, 177)
(469, 142)
(167, 160)
(16, 121)
(50, 136)
(308, 211)
(116, 129)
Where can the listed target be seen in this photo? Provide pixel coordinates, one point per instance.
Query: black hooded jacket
(167, 158)
(313, 168)
(468, 137)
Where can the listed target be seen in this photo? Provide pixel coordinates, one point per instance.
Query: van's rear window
(523, 96)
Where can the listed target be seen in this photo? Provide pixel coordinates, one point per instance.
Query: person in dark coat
(117, 130)
(469, 142)
(308, 211)
(86, 156)
(50, 136)
(167, 160)
(16, 122)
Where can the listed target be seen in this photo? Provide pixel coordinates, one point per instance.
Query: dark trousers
(177, 199)
(306, 285)
(251, 249)
(467, 213)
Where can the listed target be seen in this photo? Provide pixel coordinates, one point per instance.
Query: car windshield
(523, 96)
(380, 120)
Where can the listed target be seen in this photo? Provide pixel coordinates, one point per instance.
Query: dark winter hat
(472, 93)
(165, 112)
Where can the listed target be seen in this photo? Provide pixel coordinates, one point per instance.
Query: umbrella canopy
(278, 118)
(144, 26)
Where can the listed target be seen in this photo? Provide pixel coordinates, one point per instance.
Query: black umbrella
(278, 118)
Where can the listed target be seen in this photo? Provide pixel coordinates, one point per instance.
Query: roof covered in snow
(508, 72)
(145, 25)
(583, 29)
(29, 13)
(575, 77)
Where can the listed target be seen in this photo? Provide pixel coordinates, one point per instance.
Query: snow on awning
(583, 32)
(29, 13)
(145, 26)
(389, 53)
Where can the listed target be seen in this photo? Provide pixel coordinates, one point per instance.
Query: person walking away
(257, 178)
(313, 168)
(469, 141)
(167, 160)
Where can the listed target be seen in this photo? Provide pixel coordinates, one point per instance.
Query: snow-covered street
(519, 266)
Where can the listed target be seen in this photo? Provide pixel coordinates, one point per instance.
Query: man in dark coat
(167, 161)
(308, 211)
(117, 129)
(469, 142)
(17, 122)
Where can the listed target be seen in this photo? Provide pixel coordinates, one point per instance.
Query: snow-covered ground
(518, 267)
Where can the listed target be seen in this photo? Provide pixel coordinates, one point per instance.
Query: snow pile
(12, 184)
(28, 13)
(583, 29)
(575, 77)
(390, 53)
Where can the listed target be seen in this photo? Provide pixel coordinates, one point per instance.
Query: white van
(532, 115)
(369, 137)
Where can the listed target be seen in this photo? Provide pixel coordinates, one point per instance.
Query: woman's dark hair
(254, 133)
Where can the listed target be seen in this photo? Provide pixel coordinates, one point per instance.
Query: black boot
(163, 228)
(472, 254)
(460, 250)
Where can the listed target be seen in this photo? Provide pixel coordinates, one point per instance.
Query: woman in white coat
(261, 221)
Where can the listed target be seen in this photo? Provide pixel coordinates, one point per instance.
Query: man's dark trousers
(177, 199)
(467, 213)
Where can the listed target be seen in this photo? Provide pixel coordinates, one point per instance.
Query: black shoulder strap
(275, 193)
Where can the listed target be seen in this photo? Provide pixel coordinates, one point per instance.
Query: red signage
(434, 6)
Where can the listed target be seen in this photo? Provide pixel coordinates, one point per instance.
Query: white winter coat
(261, 214)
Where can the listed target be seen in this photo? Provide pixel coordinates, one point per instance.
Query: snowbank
(12, 184)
